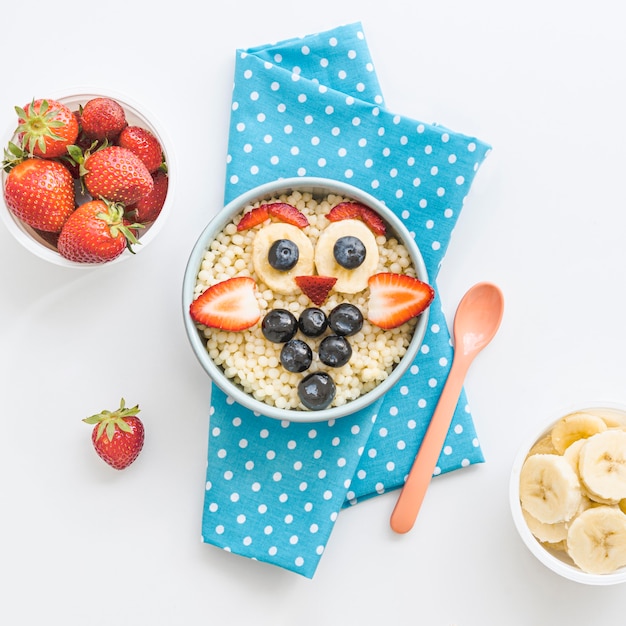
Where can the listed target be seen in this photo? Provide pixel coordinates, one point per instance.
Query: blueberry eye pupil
(349, 252)
(283, 255)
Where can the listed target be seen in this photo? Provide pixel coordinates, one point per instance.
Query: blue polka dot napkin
(313, 106)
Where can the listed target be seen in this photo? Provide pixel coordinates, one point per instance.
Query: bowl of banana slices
(306, 299)
(568, 494)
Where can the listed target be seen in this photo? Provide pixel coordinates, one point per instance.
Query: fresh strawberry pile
(93, 157)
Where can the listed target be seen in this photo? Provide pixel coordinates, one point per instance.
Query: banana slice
(543, 446)
(547, 533)
(549, 488)
(348, 280)
(602, 465)
(612, 417)
(575, 426)
(281, 281)
(596, 540)
(559, 546)
(572, 453)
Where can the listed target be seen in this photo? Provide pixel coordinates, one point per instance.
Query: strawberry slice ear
(287, 213)
(316, 288)
(396, 298)
(344, 211)
(356, 210)
(253, 218)
(229, 305)
(279, 210)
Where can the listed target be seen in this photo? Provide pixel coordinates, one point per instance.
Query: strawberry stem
(108, 421)
(114, 218)
(36, 126)
(13, 155)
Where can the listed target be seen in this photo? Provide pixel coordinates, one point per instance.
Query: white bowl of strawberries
(306, 299)
(86, 178)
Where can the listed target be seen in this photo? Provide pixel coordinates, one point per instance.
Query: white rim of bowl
(199, 348)
(552, 562)
(40, 249)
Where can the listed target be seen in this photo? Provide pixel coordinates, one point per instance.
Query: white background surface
(543, 82)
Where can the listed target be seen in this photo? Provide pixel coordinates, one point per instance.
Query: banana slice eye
(347, 251)
(277, 269)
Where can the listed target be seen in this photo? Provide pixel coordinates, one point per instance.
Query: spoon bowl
(477, 318)
(476, 322)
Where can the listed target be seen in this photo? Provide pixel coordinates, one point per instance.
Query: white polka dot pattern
(313, 107)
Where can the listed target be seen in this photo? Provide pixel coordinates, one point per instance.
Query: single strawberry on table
(40, 192)
(116, 174)
(228, 305)
(117, 436)
(46, 128)
(396, 298)
(144, 144)
(96, 232)
(102, 118)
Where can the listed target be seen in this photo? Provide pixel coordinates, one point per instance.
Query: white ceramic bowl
(556, 560)
(319, 187)
(136, 114)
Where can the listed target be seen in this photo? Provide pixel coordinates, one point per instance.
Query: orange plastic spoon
(476, 322)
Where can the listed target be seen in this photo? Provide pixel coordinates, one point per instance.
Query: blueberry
(316, 391)
(349, 252)
(296, 356)
(312, 322)
(283, 255)
(334, 351)
(279, 325)
(345, 319)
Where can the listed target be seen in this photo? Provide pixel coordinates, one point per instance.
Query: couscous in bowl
(248, 367)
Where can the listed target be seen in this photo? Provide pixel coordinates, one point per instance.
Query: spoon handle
(414, 489)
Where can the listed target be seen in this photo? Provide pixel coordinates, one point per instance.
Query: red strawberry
(229, 305)
(344, 211)
(144, 144)
(253, 218)
(117, 436)
(116, 174)
(147, 209)
(287, 213)
(40, 193)
(356, 210)
(316, 288)
(102, 118)
(374, 222)
(396, 298)
(96, 233)
(46, 128)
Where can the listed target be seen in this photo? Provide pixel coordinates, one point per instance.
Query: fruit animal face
(320, 296)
